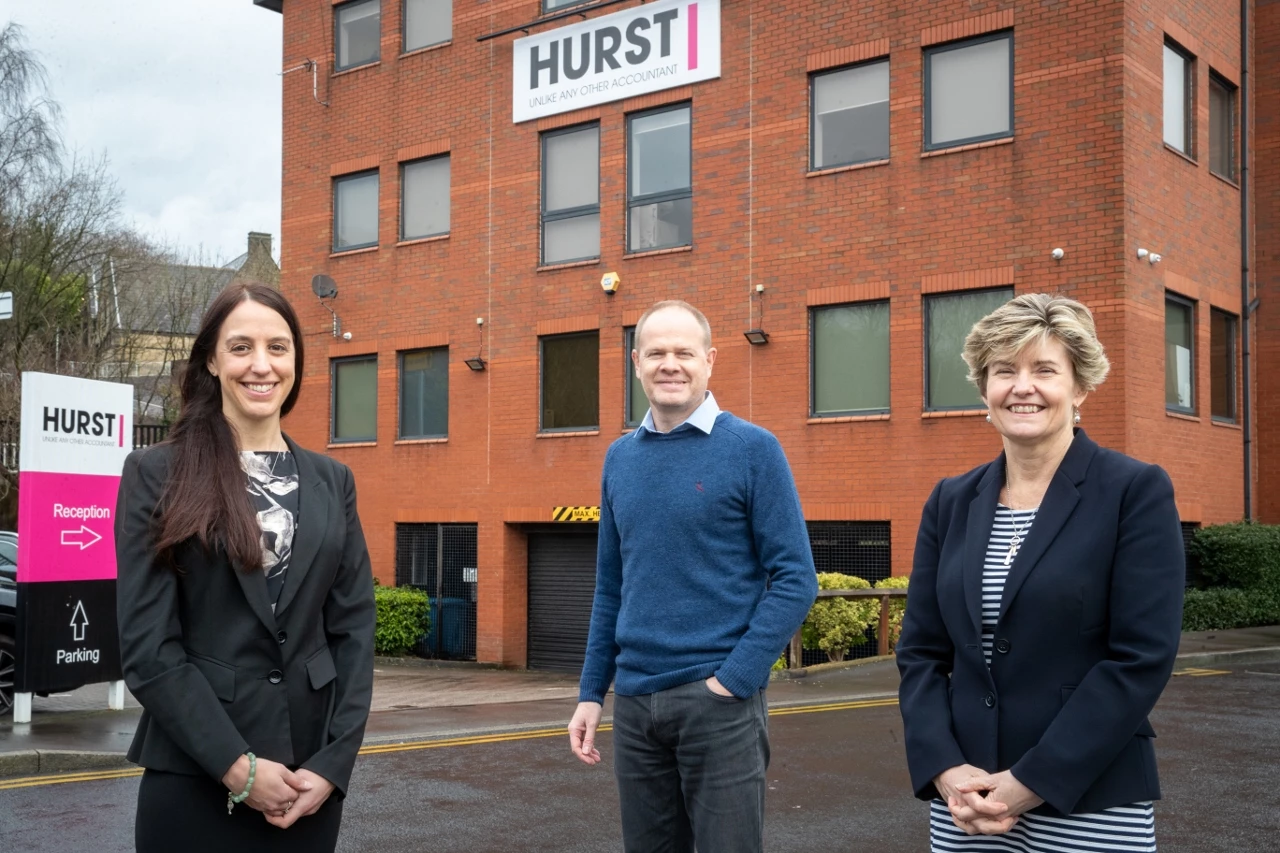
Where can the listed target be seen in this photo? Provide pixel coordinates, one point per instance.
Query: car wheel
(8, 666)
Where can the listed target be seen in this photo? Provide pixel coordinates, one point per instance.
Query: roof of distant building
(273, 5)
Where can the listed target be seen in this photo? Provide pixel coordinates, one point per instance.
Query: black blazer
(1088, 630)
(217, 673)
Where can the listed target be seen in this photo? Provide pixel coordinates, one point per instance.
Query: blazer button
(989, 700)
(276, 676)
(281, 637)
(1002, 646)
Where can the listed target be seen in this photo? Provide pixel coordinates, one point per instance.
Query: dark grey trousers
(691, 767)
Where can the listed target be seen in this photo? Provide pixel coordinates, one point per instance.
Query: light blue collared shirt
(703, 418)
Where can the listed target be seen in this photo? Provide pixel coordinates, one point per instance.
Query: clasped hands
(983, 803)
(282, 795)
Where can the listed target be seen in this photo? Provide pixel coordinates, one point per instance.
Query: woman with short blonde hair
(1045, 610)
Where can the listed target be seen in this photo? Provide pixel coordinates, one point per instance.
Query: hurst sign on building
(653, 47)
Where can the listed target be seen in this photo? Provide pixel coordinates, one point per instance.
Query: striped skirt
(1123, 828)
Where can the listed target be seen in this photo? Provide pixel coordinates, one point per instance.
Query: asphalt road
(837, 783)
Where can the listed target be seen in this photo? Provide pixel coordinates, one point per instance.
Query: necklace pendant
(1013, 551)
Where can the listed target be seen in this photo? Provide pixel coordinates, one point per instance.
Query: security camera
(1142, 253)
(609, 282)
(1057, 254)
(346, 336)
(1153, 258)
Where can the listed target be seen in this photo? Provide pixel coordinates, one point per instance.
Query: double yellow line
(385, 748)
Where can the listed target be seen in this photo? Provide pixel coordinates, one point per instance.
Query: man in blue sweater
(703, 574)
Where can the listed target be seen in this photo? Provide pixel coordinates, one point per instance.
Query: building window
(1222, 124)
(355, 211)
(637, 401)
(968, 91)
(424, 199)
(850, 351)
(427, 22)
(571, 195)
(571, 382)
(850, 121)
(1179, 354)
(553, 5)
(659, 180)
(357, 33)
(355, 399)
(948, 320)
(1177, 98)
(1222, 364)
(424, 393)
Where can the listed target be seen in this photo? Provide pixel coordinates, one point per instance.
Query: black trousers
(189, 813)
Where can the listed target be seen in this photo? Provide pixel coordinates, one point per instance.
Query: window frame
(657, 198)
(813, 114)
(569, 212)
(333, 398)
(337, 56)
(813, 361)
(934, 49)
(400, 354)
(928, 299)
(446, 155)
(404, 30)
(338, 180)
(1230, 90)
(1188, 98)
(542, 377)
(554, 9)
(1233, 333)
(1190, 306)
(628, 374)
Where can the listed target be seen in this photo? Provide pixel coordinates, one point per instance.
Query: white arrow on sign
(84, 537)
(79, 616)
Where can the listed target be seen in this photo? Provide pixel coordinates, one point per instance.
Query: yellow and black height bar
(575, 513)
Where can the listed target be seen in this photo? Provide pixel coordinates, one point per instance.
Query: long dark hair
(205, 495)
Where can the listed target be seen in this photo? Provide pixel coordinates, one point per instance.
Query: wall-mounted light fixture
(757, 336)
(478, 363)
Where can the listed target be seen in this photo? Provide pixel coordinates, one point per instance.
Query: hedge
(1220, 609)
(836, 624)
(1239, 564)
(897, 606)
(403, 616)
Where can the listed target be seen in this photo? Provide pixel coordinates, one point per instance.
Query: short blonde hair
(1034, 318)
(683, 306)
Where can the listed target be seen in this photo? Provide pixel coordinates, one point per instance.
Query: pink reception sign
(66, 526)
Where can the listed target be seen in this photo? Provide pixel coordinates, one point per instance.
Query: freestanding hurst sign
(76, 434)
(652, 47)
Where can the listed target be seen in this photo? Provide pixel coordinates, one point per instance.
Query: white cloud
(182, 97)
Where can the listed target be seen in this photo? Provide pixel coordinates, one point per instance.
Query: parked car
(8, 617)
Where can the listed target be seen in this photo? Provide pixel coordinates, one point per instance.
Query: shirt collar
(703, 418)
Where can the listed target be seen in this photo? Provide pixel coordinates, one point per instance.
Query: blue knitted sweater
(704, 566)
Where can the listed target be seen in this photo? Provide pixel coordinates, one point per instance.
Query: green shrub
(403, 614)
(1224, 608)
(837, 624)
(897, 607)
(1242, 555)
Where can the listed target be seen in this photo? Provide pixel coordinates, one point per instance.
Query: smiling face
(1033, 397)
(254, 362)
(674, 363)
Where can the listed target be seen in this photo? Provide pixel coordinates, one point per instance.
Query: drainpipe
(1247, 306)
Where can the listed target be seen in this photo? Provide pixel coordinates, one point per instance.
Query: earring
(1076, 419)
(988, 417)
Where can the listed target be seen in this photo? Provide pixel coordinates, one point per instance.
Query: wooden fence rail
(882, 635)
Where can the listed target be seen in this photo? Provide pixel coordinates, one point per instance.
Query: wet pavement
(837, 781)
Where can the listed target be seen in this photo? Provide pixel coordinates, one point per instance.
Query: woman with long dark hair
(245, 603)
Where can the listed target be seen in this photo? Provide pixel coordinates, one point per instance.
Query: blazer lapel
(313, 514)
(982, 512)
(254, 585)
(1055, 509)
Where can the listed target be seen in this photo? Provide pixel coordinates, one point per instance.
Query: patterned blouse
(273, 490)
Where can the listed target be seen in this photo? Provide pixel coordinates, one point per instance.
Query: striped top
(1122, 828)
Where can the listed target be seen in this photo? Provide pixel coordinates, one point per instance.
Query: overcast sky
(183, 96)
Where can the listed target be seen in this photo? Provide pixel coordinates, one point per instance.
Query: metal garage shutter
(562, 581)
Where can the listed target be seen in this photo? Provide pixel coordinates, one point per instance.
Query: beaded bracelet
(232, 799)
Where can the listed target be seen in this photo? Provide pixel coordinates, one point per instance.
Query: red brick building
(859, 181)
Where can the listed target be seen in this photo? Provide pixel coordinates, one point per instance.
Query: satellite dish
(323, 286)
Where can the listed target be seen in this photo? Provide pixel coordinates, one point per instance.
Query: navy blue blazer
(1088, 630)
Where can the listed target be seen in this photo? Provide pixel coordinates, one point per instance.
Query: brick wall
(1086, 171)
(1266, 188)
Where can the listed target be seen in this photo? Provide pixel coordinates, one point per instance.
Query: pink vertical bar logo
(693, 36)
